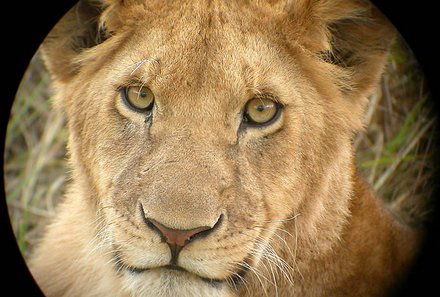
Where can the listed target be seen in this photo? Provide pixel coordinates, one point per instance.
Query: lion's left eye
(140, 98)
(261, 111)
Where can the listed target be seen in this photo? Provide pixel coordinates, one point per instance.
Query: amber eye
(261, 111)
(139, 98)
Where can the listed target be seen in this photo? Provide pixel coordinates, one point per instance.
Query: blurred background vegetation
(394, 153)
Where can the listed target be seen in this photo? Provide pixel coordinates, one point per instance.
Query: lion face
(193, 160)
(199, 131)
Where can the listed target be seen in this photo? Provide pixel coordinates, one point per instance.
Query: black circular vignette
(417, 22)
(26, 24)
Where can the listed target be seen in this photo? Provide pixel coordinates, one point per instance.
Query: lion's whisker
(294, 217)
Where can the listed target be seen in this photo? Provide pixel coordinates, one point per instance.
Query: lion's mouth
(235, 279)
(121, 266)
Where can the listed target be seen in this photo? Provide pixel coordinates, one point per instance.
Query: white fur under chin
(170, 283)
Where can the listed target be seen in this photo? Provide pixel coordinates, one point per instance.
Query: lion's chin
(167, 282)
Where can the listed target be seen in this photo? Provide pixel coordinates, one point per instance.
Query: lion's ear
(351, 34)
(86, 25)
(77, 30)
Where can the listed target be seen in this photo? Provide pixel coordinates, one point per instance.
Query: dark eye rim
(124, 95)
(248, 122)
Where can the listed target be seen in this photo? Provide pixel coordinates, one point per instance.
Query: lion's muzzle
(177, 239)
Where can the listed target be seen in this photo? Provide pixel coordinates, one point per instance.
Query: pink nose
(176, 237)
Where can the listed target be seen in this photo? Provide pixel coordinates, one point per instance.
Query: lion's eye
(260, 111)
(139, 98)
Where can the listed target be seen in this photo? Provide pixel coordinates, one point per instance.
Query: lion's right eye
(139, 98)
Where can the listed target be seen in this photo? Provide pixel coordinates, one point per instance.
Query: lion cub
(211, 151)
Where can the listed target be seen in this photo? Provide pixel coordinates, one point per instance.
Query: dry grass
(394, 154)
(35, 167)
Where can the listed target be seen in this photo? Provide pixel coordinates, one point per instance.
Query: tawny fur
(297, 219)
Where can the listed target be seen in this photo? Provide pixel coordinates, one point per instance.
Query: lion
(211, 151)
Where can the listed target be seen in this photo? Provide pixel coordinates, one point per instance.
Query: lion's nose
(176, 238)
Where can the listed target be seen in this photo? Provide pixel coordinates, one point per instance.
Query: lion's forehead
(193, 55)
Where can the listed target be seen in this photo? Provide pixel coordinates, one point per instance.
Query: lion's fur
(296, 215)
